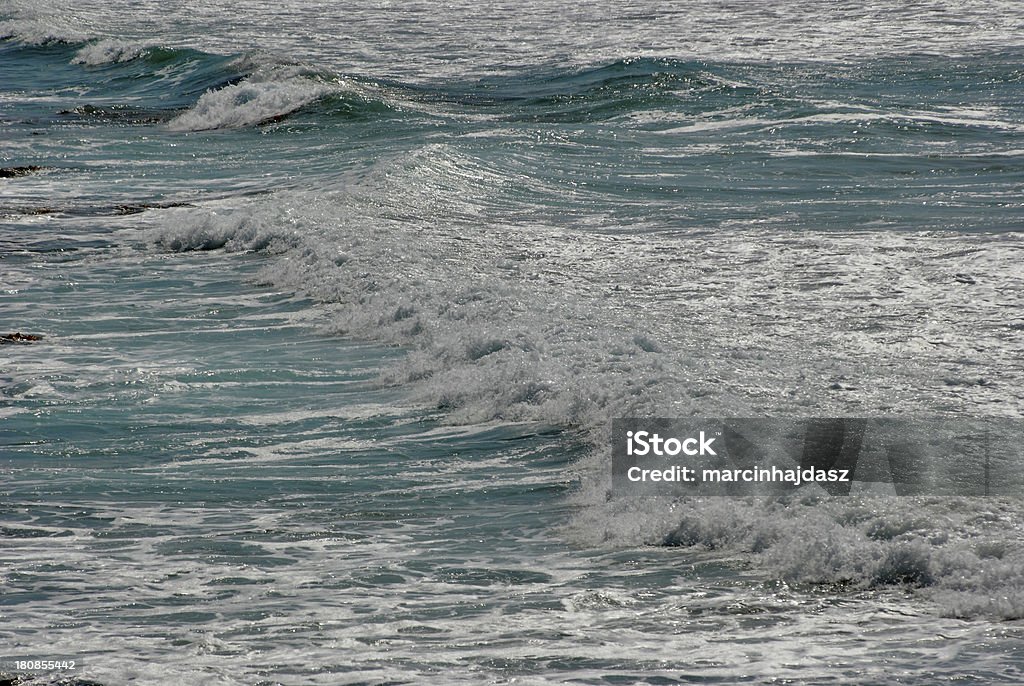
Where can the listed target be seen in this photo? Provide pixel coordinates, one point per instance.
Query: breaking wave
(107, 51)
(546, 322)
(963, 555)
(42, 31)
(248, 103)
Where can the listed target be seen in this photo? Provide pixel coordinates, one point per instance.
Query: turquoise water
(337, 305)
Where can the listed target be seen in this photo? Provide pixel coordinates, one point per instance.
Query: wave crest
(108, 51)
(253, 101)
(41, 31)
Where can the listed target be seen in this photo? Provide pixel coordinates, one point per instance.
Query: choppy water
(338, 304)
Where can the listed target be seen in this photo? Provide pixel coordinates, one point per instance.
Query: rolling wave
(542, 321)
(206, 91)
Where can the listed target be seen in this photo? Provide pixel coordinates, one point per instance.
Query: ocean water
(338, 301)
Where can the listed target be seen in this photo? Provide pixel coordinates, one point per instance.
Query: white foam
(253, 101)
(108, 51)
(538, 322)
(40, 31)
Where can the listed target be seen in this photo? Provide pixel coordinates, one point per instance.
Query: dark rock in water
(31, 211)
(83, 210)
(142, 207)
(125, 114)
(18, 337)
(11, 172)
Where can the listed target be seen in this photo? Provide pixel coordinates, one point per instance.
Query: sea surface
(338, 301)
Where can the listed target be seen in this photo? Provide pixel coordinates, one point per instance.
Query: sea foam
(108, 51)
(262, 97)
